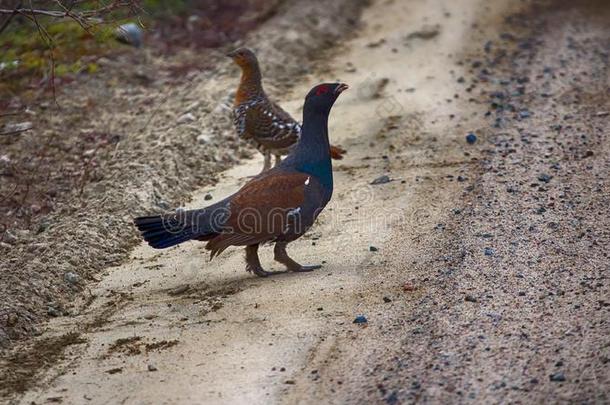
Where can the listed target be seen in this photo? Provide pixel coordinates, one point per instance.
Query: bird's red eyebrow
(323, 89)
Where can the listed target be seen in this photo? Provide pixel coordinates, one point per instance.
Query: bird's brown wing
(270, 126)
(261, 210)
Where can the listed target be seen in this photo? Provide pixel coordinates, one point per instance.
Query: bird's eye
(321, 90)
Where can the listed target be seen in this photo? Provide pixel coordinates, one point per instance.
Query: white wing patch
(307, 181)
(294, 212)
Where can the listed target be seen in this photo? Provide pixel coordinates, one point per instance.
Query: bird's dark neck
(312, 153)
(250, 85)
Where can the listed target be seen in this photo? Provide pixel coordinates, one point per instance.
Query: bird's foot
(260, 272)
(304, 269)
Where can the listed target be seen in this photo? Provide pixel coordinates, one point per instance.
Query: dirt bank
(137, 138)
(481, 269)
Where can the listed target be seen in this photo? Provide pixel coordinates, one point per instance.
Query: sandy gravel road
(171, 327)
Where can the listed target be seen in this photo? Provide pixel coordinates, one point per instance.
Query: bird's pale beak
(341, 88)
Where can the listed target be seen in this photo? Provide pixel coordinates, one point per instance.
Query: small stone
(373, 249)
(408, 287)
(381, 180)
(152, 367)
(360, 319)
(426, 32)
(524, 114)
(186, 118)
(471, 138)
(179, 290)
(71, 277)
(194, 105)
(387, 299)
(203, 139)
(488, 251)
(52, 311)
(12, 319)
(557, 377)
(470, 298)
(208, 197)
(130, 34)
(545, 178)
(9, 237)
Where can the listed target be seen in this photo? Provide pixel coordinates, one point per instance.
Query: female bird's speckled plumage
(278, 205)
(260, 121)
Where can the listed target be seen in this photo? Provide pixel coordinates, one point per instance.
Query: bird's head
(243, 57)
(322, 97)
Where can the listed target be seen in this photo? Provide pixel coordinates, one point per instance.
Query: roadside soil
(480, 270)
(138, 137)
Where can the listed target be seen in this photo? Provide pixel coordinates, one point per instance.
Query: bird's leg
(267, 164)
(253, 264)
(280, 255)
(278, 160)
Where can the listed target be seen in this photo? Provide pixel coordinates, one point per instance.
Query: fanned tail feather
(164, 231)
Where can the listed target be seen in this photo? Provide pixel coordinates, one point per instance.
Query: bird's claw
(260, 272)
(304, 269)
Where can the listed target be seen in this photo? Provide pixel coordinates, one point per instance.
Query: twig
(14, 132)
(69, 14)
(10, 17)
(45, 35)
(8, 114)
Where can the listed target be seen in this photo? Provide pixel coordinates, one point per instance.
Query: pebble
(387, 299)
(545, 177)
(488, 251)
(9, 237)
(373, 249)
(53, 311)
(71, 277)
(381, 180)
(426, 32)
(130, 34)
(186, 118)
(470, 298)
(471, 138)
(360, 319)
(557, 377)
(203, 139)
(408, 287)
(152, 367)
(208, 197)
(12, 319)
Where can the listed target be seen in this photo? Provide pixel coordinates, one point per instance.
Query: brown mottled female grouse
(259, 120)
